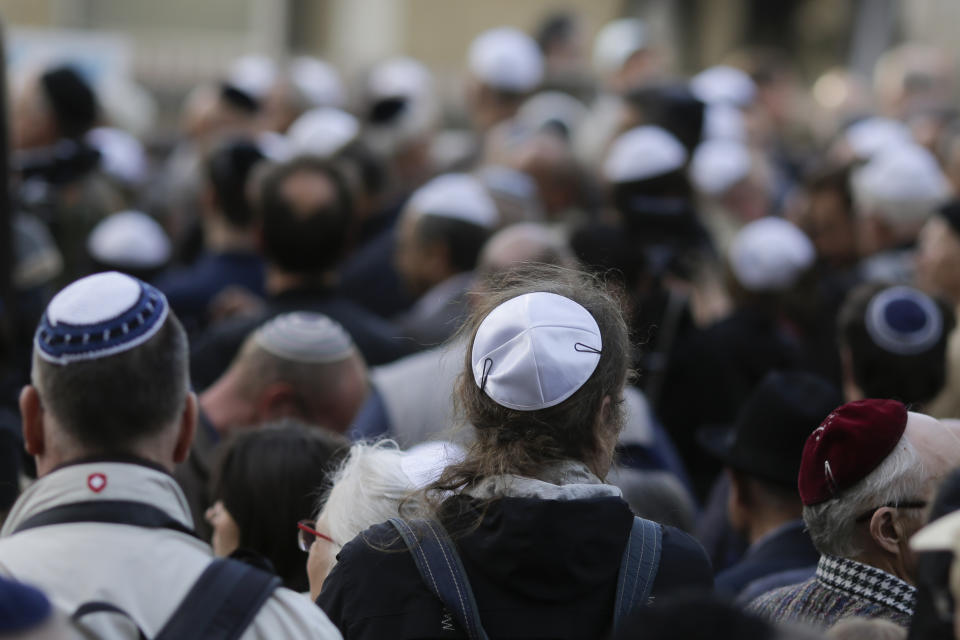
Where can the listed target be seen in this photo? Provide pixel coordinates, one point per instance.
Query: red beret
(850, 443)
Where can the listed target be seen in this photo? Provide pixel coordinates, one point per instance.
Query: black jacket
(538, 568)
(786, 549)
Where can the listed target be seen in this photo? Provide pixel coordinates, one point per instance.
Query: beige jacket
(145, 572)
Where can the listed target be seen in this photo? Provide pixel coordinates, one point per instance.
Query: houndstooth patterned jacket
(841, 588)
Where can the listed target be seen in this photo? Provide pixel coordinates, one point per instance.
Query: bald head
(301, 365)
(525, 242)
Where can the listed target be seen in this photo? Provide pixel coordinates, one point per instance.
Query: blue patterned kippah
(98, 316)
(904, 321)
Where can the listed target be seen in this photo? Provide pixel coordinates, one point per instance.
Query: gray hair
(366, 490)
(899, 478)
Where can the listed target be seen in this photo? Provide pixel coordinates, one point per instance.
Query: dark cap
(768, 437)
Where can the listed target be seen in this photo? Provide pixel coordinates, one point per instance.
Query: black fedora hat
(773, 425)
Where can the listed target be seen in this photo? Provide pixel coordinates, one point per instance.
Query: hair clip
(487, 366)
(584, 348)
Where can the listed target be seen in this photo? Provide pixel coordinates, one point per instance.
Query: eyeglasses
(913, 504)
(308, 534)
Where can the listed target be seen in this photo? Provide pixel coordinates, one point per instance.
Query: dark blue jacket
(786, 548)
(538, 568)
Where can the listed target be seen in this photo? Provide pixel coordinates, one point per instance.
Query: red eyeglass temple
(314, 532)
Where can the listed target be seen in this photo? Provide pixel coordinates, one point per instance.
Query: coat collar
(870, 583)
(101, 480)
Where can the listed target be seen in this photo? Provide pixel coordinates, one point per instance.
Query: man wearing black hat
(762, 458)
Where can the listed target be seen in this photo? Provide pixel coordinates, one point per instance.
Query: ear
(188, 427)
(278, 400)
(738, 500)
(32, 415)
(887, 530)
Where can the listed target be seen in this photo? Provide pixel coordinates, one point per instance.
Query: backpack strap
(638, 569)
(138, 514)
(442, 571)
(222, 602)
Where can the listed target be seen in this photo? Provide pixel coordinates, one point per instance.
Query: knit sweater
(841, 588)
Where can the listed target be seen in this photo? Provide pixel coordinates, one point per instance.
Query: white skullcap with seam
(535, 351)
(643, 152)
(901, 182)
(869, 136)
(506, 58)
(310, 338)
(770, 254)
(253, 74)
(458, 196)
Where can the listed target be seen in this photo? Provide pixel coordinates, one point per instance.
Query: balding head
(525, 242)
(301, 365)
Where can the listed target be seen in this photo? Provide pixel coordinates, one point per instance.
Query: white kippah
(423, 463)
(98, 316)
(458, 196)
(318, 81)
(723, 122)
(506, 58)
(770, 254)
(616, 42)
(535, 351)
(643, 152)
(253, 74)
(552, 106)
(323, 132)
(122, 156)
(311, 338)
(722, 84)
(717, 165)
(869, 136)
(400, 77)
(129, 240)
(903, 182)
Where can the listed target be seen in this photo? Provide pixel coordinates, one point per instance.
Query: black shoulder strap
(442, 571)
(129, 512)
(222, 602)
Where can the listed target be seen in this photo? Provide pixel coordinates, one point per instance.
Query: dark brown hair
(524, 443)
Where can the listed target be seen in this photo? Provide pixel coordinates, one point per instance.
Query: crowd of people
(596, 351)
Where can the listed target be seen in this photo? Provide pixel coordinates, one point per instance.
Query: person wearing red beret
(866, 477)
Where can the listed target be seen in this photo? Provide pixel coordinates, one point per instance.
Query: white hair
(366, 490)
(901, 477)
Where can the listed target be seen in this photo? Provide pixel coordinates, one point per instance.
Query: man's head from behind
(893, 343)
(300, 365)
(867, 476)
(307, 214)
(109, 376)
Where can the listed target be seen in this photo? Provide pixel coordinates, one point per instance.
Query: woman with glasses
(266, 481)
(523, 538)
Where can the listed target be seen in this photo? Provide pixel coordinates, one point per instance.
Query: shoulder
(683, 563)
(288, 614)
(772, 603)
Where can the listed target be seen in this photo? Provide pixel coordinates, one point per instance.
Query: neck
(278, 280)
(225, 409)
(220, 236)
(892, 563)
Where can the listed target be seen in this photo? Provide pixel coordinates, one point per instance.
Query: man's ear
(887, 530)
(278, 400)
(32, 415)
(188, 427)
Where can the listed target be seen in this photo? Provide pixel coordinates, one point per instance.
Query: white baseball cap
(643, 152)
(535, 351)
(506, 58)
